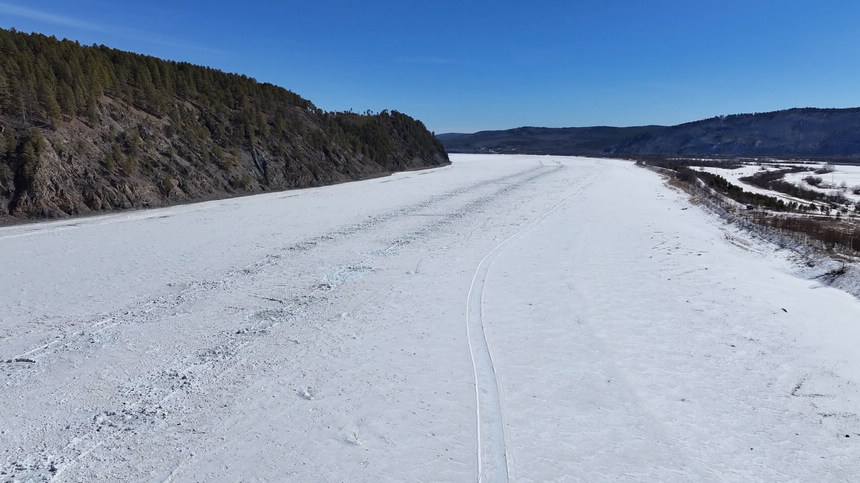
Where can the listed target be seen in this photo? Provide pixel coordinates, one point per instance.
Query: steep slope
(86, 129)
(808, 132)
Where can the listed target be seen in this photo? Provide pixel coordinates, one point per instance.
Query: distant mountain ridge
(799, 132)
(85, 129)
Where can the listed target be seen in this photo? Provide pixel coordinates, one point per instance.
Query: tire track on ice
(146, 404)
(84, 336)
(423, 233)
(495, 462)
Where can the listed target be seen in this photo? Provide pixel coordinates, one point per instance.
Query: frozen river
(505, 317)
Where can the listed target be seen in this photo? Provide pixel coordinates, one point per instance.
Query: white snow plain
(506, 317)
(842, 179)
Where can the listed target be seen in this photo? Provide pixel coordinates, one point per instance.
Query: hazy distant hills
(806, 132)
(542, 140)
(89, 128)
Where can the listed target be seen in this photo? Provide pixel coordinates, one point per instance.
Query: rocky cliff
(88, 129)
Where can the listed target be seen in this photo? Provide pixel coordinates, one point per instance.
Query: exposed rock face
(80, 168)
(87, 129)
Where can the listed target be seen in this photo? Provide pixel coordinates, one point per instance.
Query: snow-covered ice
(521, 317)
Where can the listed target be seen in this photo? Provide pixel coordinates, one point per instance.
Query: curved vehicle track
(493, 459)
(612, 330)
(162, 391)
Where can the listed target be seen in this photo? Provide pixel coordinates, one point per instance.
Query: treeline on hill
(811, 133)
(88, 128)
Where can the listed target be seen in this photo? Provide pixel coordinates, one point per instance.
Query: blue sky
(471, 65)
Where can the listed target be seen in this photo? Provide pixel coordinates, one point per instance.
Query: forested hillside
(90, 128)
(585, 141)
(829, 134)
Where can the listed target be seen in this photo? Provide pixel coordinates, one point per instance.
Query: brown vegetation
(839, 232)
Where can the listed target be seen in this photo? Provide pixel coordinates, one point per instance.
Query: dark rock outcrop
(90, 129)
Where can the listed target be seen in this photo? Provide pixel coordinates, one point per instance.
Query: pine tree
(5, 94)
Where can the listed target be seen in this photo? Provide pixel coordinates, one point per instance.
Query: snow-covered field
(843, 179)
(734, 176)
(506, 317)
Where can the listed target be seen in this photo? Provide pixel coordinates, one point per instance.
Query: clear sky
(468, 65)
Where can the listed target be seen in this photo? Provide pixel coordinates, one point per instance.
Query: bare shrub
(813, 180)
(827, 168)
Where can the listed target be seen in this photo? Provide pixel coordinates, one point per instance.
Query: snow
(832, 182)
(734, 176)
(520, 317)
(847, 174)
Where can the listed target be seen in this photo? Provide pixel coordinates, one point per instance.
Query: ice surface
(324, 334)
